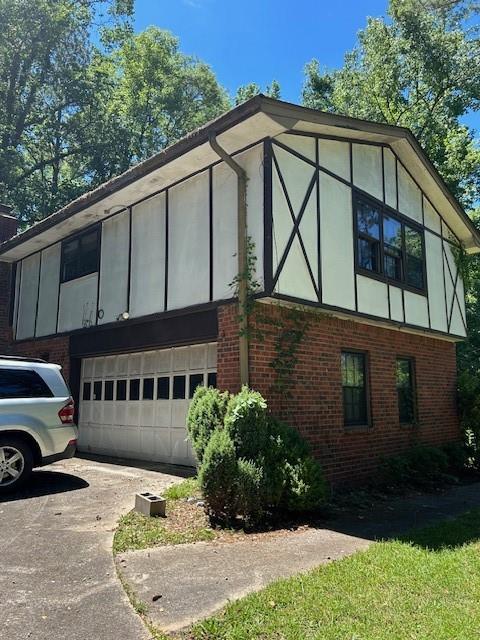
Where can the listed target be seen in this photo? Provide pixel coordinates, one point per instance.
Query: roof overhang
(237, 129)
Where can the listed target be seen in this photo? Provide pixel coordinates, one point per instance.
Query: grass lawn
(185, 522)
(425, 586)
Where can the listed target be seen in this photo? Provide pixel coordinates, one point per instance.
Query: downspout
(242, 254)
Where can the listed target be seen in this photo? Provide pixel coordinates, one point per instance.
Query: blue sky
(258, 41)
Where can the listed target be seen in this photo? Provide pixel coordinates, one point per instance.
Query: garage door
(135, 405)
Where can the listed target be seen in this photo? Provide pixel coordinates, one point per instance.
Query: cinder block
(149, 504)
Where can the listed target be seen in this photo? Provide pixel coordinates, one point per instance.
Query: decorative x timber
(296, 220)
(454, 279)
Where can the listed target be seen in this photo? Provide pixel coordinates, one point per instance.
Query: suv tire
(16, 462)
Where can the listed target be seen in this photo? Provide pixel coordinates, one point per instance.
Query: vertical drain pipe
(242, 253)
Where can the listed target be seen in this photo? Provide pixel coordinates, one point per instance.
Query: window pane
(196, 380)
(134, 389)
(405, 390)
(392, 241)
(97, 390)
(354, 388)
(148, 389)
(178, 387)
(368, 254)
(163, 388)
(121, 389)
(414, 251)
(87, 390)
(80, 255)
(22, 383)
(108, 390)
(368, 220)
(212, 380)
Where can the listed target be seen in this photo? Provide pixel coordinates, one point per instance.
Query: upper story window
(387, 246)
(80, 255)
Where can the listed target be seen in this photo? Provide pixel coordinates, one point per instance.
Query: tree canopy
(82, 98)
(419, 69)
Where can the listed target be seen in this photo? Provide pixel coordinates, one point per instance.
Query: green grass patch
(425, 586)
(136, 531)
(182, 490)
(184, 523)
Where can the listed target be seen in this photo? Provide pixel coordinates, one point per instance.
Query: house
(346, 221)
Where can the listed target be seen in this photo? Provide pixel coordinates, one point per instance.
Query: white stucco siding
(336, 233)
(372, 297)
(48, 291)
(304, 145)
(78, 303)
(431, 218)
(335, 156)
(390, 176)
(252, 161)
(409, 195)
(367, 169)
(294, 278)
(28, 297)
(436, 291)
(224, 253)
(114, 268)
(416, 309)
(188, 243)
(396, 303)
(454, 292)
(148, 257)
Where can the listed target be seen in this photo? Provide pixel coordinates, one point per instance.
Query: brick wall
(50, 349)
(8, 228)
(316, 407)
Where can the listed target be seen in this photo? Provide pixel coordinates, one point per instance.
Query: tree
(418, 70)
(82, 98)
(45, 52)
(247, 91)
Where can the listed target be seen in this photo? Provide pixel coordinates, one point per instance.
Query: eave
(237, 129)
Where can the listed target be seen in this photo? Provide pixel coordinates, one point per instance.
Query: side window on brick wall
(354, 388)
(406, 392)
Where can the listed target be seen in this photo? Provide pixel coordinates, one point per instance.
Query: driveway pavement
(184, 583)
(57, 577)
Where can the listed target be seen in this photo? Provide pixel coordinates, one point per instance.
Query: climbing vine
(462, 262)
(286, 330)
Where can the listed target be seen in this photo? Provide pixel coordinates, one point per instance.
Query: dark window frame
(413, 378)
(78, 237)
(364, 424)
(387, 212)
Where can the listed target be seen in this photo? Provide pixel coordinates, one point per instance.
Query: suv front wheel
(16, 461)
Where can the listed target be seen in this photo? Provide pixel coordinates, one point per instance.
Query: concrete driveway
(57, 577)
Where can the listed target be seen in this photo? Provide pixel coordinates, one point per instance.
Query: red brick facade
(349, 454)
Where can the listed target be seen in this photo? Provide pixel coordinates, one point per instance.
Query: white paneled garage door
(134, 405)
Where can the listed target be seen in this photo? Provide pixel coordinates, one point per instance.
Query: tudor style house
(130, 288)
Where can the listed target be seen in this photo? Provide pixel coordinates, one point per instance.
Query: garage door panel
(180, 359)
(135, 405)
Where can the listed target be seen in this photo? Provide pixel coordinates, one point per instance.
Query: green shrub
(306, 486)
(469, 410)
(457, 456)
(246, 421)
(415, 466)
(258, 464)
(206, 413)
(217, 476)
(427, 462)
(250, 491)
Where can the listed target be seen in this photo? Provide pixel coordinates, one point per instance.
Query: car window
(22, 383)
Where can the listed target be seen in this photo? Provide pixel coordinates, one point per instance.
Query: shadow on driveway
(43, 483)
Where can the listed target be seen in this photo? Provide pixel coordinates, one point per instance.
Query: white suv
(36, 419)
